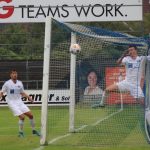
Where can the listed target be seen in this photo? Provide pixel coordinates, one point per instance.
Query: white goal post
(44, 110)
(72, 85)
(43, 140)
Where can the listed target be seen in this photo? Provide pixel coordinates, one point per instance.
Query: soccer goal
(79, 63)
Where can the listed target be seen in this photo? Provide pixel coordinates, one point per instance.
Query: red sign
(7, 9)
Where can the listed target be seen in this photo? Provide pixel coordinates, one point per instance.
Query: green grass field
(120, 131)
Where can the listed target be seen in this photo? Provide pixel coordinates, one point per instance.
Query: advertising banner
(13, 11)
(61, 97)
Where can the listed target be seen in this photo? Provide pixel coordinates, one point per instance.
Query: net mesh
(120, 118)
(147, 100)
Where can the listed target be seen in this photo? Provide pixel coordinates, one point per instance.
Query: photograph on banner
(90, 81)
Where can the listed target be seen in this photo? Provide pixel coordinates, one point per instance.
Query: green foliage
(8, 54)
(26, 41)
(19, 43)
(147, 23)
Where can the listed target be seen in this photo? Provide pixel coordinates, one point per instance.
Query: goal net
(78, 111)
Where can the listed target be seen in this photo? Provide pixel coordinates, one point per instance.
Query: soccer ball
(75, 48)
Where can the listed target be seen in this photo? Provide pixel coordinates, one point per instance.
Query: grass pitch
(123, 130)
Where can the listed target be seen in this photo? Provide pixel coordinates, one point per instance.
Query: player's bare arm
(142, 82)
(1, 94)
(27, 96)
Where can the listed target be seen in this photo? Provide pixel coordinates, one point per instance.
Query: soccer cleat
(36, 132)
(101, 105)
(21, 134)
(98, 105)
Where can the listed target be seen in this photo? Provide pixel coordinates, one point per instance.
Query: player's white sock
(21, 123)
(32, 123)
(103, 98)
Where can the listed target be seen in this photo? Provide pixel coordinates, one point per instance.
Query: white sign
(54, 97)
(70, 10)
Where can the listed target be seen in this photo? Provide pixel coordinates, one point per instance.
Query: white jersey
(134, 69)
(13, 90)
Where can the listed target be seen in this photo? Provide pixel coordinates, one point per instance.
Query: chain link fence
(22, 46)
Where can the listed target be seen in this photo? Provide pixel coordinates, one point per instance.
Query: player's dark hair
(13, 70)
(132, 46)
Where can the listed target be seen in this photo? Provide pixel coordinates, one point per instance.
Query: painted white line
(53, 140)
(58, 138)
(82, 127)
(94, 124)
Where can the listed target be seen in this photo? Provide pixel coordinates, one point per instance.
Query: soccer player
(134, 78)
(14, 90)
